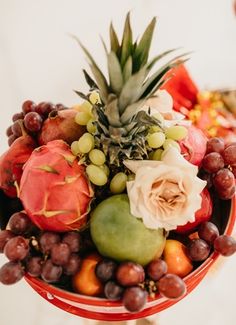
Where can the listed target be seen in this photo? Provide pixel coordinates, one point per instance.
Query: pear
(121, 236)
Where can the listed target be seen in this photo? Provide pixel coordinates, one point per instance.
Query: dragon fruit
(61, 125)
(193, 147)
(54, 189)
(12, 161)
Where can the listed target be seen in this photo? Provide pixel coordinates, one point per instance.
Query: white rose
(162, 102)
(165, 194)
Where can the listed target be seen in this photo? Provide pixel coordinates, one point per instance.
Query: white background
(39, 61)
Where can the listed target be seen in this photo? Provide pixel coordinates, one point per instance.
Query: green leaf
(131, 90)
(142, 50)
(152, 82)
(126, 45)
(127, 71)
(115, 73)
(115, 46)
(112, 113)
(98, 75)
(131, 110)
(90, 81)
(159, 57)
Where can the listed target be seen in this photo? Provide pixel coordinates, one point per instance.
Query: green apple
(121, 236)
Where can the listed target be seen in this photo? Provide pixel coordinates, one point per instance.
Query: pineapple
(121, 125)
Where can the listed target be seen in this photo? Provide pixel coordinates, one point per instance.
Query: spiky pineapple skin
(54, 189)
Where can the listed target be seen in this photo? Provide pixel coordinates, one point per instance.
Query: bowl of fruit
(116, 208)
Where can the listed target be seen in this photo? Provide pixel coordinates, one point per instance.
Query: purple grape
(20, 223)
(198, 250)
(113, 291)
(130, 274)
(171, 286)
(225, 245)
(73, 264)
(105, 270)
(51, 273)
(156, 269)
(11, 273)
(28, 106)
(208, 232)
(60, 253)
(47, 240)
(33, 121)
(5, 235)
(17, 248)
(134, 299)
(72, 239)
(34, 266)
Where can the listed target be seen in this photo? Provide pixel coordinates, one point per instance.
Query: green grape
(150, 155)
(118, 183)
(154, 128)
(82, 118)
(75, 148)
(86, 107)
(97, 157)
(96, 175)
(156, 140)
(171, 143)
(95, 98)
(91, 128)
(130, 177)
(86, 143)
(106, 169)
(176, 132)
(157, 154)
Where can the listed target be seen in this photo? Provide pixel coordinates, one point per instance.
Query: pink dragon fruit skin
(54, 189)
(193, 147)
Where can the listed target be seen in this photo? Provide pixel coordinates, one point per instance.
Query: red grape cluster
(220, 164)
(200, 248)
(126, 281)
(48, 256)
(31, 118)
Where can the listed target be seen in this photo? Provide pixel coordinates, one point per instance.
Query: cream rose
(165, 194)
(162, 102)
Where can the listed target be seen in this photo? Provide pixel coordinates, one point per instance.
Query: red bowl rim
(102, 302)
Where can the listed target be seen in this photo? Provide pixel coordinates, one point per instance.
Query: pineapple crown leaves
(129, 68)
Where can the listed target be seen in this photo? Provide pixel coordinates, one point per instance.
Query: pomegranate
(54, 189)
(12, 161)
(193, 147)
(60, 125)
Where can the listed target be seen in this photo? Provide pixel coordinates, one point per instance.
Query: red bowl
(102, 309)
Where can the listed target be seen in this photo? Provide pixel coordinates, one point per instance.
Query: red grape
(60, 253)
(225, 245)
(156, 269)
(47, 240)
(34, 266)
(113, 291)
(9, 131)
(44, 108)
(105, 270)
(33, 121)
(72, 239)
(134, 299)
(208, 232)
(17, 248)
(73, 264)
(227, 193)
(11, 273)
(11, 139)
(223, 179)
(212, 162)
(28, 106)
(171, 286)
(198, 250)
(5, 235)
(233, 169)
(215, 145)
(130, 274)
(17, 116)
(229, 154)
(51, 273)
(20, 223)
(16, 128)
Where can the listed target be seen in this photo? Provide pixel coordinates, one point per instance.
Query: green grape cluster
(159, 141)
